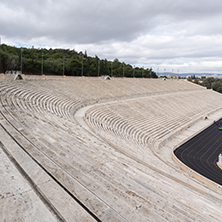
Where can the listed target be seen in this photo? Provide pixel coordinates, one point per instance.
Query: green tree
(74, 67)
(53, 63)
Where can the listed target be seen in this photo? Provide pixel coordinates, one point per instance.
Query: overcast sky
(183, 36)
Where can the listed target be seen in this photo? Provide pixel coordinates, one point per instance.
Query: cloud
(186, 34)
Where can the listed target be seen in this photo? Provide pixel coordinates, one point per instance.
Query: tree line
(65, 62)
(209, 82)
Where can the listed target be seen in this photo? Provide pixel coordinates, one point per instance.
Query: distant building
(174, 77)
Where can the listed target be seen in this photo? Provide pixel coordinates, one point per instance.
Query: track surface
(201, 152)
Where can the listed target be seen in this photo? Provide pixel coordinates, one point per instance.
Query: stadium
(109, 149)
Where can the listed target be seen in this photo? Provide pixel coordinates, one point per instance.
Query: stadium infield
(201, 152)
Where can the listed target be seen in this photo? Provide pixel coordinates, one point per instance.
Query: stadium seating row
(107, 182)
(152, 118)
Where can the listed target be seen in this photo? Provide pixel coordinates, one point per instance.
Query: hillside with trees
(65, 62)
(209, 83)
